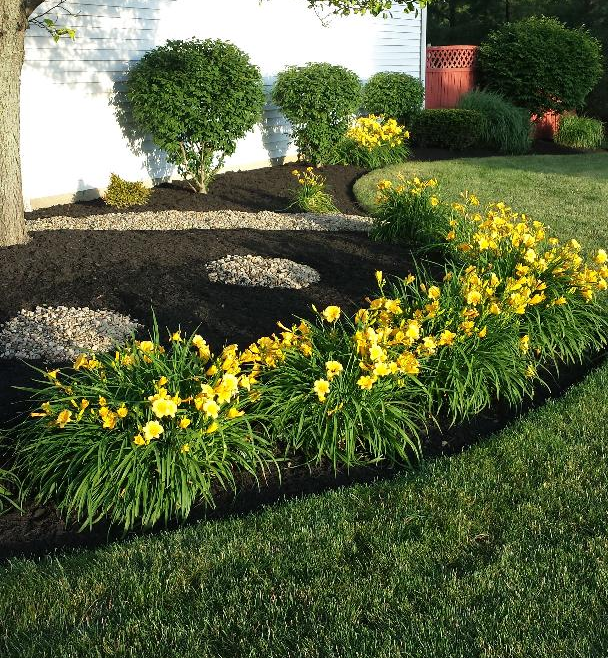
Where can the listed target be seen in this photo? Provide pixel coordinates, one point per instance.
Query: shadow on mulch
(269, 188)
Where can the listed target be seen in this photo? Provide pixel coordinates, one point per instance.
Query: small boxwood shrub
(453, 129)
(125, 194)
(394, 94)
(196, 98)
(504, 127)
(580, 132)
(540, 64)
(319, 101)
(373, 142)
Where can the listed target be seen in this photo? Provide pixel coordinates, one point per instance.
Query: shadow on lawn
(40, 531)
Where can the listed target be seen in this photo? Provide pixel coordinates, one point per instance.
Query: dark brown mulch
(135, 272)
(267, 188)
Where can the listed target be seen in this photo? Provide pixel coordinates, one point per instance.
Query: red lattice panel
(451, 57)
(450, 73)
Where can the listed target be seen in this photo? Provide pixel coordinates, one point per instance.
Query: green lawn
(499, 552)
(567, 192)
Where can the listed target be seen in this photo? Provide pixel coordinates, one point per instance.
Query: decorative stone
(58, 334)
(259, 271)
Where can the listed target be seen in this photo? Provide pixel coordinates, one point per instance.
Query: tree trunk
(13, 23)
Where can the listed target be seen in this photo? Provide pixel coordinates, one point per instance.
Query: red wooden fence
(450, 73)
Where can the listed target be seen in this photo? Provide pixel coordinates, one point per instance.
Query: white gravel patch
(259, 271)
(179, 220)
(61, 333)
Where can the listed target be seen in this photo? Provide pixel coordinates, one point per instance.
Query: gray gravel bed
(61, 333)
(254, 270)
(176, 220)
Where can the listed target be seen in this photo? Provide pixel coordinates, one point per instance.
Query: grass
(567, 192)
(497, 552)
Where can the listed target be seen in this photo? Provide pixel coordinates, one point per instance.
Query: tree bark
(13, 23)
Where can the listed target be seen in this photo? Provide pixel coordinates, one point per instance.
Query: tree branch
(30, 6)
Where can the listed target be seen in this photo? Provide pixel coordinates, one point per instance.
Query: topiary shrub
(504, 127)
(319, 101)
(394, 94)
(540, 64)
(580, 132)
(124, 194)
(196, 98)
(453, 129)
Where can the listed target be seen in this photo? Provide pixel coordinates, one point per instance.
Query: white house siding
(71, 139)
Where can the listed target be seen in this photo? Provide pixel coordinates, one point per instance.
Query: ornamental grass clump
(373, 142)
(504, 127)
(580, 132)
(142, 435)
(311, 195)
(328, 398)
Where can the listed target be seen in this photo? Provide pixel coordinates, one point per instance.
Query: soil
(135, 272)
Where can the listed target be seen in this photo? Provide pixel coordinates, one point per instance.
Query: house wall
(71, 137)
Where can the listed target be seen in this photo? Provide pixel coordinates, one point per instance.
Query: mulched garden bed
(267, 188)
(135, 272)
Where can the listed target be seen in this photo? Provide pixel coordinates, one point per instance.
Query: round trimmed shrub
(319, 100)
(540, 64)
(504, 127)
(196, 98)
(395, 95)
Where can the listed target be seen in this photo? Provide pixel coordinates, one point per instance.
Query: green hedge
(453, 129)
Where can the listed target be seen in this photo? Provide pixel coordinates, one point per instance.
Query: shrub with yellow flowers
(373, 142)
(408, 212)
(311, 195)
(516, 298)
(324, 399)
(143, 434)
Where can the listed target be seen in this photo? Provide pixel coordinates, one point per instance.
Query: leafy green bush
(394, 94)
(319, 100)
(373, 142)
(140, 436)
(504, 127)
(310, 195)
(453, 129)
(124, 194)
(540, 64)
(580, 132)
(196, 98)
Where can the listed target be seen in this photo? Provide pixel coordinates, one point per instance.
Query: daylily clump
(146, 432)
